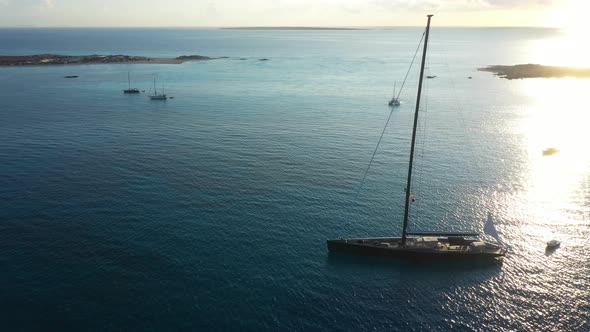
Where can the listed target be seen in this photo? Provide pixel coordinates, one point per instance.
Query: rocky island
(536, 71)
(56, 59)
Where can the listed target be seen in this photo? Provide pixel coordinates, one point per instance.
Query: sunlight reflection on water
(552, 199)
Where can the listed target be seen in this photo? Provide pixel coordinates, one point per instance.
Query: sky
(232, 13)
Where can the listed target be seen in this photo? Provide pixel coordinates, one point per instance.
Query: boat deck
(421, 246)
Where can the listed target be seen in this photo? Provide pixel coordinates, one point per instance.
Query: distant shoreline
(289, 28)
(536, 71)
(94, 59)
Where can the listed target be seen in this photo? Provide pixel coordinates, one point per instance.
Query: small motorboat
(553, 244)
(394, 102)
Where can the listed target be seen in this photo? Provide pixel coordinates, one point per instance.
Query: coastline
(291, 28)
(536, 71)
(39, 60)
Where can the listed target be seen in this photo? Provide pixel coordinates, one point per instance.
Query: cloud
(259, 12)
(519, 3)
(408, 5)
(48, 3)
(27, 4)
(459, 5)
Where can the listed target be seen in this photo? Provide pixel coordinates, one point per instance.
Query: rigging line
(411, 64)
(386, 124)
(473, 162)
(373, 156)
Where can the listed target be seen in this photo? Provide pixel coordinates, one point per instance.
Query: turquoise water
(211, 210)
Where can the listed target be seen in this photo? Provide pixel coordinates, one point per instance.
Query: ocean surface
(210, 211)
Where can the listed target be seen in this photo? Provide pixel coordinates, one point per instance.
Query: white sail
(490, 229)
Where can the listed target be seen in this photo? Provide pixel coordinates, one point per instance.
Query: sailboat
(424, 245)
(394, 100)
(156, 95)
(129, 88)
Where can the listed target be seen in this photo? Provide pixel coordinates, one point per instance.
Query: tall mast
(129, 80)
(155, 91)
(409, 182)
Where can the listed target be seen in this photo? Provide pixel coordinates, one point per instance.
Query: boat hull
(372, 247)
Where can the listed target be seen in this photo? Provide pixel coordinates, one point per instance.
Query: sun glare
(572, 16)
(570, 48)
(558, 120)
(567, 50)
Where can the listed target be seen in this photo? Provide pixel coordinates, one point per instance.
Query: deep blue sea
(210, 211)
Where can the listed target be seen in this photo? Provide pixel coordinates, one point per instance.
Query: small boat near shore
(156, 95)
(129, 88)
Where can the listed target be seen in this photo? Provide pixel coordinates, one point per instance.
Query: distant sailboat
(156, 95)
(394, 100)
(129, 88)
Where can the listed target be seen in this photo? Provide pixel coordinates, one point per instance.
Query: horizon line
(360, 27)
